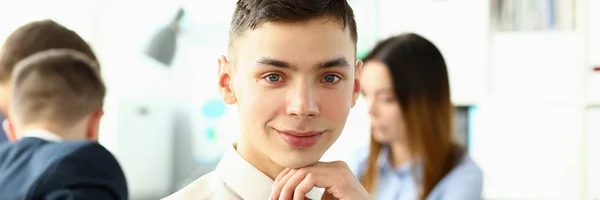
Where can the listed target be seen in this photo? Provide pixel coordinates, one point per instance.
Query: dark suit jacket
(33, 168)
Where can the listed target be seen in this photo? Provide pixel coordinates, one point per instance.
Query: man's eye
(331, 79)
(273, 77)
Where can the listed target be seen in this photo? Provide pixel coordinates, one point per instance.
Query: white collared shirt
(42, 134)
(233, 179)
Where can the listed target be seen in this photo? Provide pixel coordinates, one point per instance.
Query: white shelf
(593, 103)
(544, 33)
(465, 103)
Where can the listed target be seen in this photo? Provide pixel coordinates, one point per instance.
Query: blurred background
(525, 79)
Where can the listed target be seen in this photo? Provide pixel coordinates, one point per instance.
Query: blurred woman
(413, 153)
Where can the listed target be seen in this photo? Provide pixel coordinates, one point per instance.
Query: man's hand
(335, 177)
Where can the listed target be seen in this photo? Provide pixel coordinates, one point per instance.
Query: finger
(278, 186)
(282, 174)
(287, 192)
(304, 187)
(323, 175)
(337, 179)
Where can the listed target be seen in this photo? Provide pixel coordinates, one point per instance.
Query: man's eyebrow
(337, 62)
(273, 62)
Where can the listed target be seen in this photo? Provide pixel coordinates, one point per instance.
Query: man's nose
(303, 102)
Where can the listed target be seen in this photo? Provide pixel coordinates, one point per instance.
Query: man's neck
(41, 134)
(64, 134)
(258, 159)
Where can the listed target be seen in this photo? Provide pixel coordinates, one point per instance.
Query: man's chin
(297, 158)
(294, 161)
(298, 165)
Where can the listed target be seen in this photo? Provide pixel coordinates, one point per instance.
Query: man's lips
(302, 139)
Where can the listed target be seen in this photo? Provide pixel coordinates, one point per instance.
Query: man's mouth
(303, 139)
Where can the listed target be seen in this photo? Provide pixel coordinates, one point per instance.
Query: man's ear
(9, 130)
(93, 126)
(356, 88)
(226, 81)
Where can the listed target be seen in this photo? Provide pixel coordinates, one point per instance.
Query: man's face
(294, 84)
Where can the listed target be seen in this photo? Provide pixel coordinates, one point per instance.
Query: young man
(292, 71)
(55, 110)
(32, 38)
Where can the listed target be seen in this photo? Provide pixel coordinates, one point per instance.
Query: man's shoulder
(87, 148)
(208, 187)
(76, 151)
(56, 165)
(35, 151)
(86, 162)
(89, 156)
(72, 146)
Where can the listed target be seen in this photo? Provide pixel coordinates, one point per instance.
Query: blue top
(463, 182)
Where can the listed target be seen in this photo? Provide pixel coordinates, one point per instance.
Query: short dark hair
(250, 14)
(60, 86)
(34, 37)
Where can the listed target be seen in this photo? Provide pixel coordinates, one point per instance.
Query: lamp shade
(164, 44)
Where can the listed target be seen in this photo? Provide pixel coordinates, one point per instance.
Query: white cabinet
(145, 145)
(137, 126)
(593, 153)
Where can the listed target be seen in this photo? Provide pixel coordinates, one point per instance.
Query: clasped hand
(336, 177)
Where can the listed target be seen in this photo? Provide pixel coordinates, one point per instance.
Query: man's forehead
(307, 43)
(328, 21)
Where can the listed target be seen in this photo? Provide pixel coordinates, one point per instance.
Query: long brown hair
(420, 81)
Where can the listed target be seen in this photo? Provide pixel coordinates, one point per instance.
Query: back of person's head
(60, 90)
(420, 83)
(32, 38)
(250, 14)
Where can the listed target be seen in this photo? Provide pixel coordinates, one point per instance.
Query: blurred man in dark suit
(55, 109)
(53, 103)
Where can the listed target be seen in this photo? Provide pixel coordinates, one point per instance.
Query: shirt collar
(42, 134)
(246, 180)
